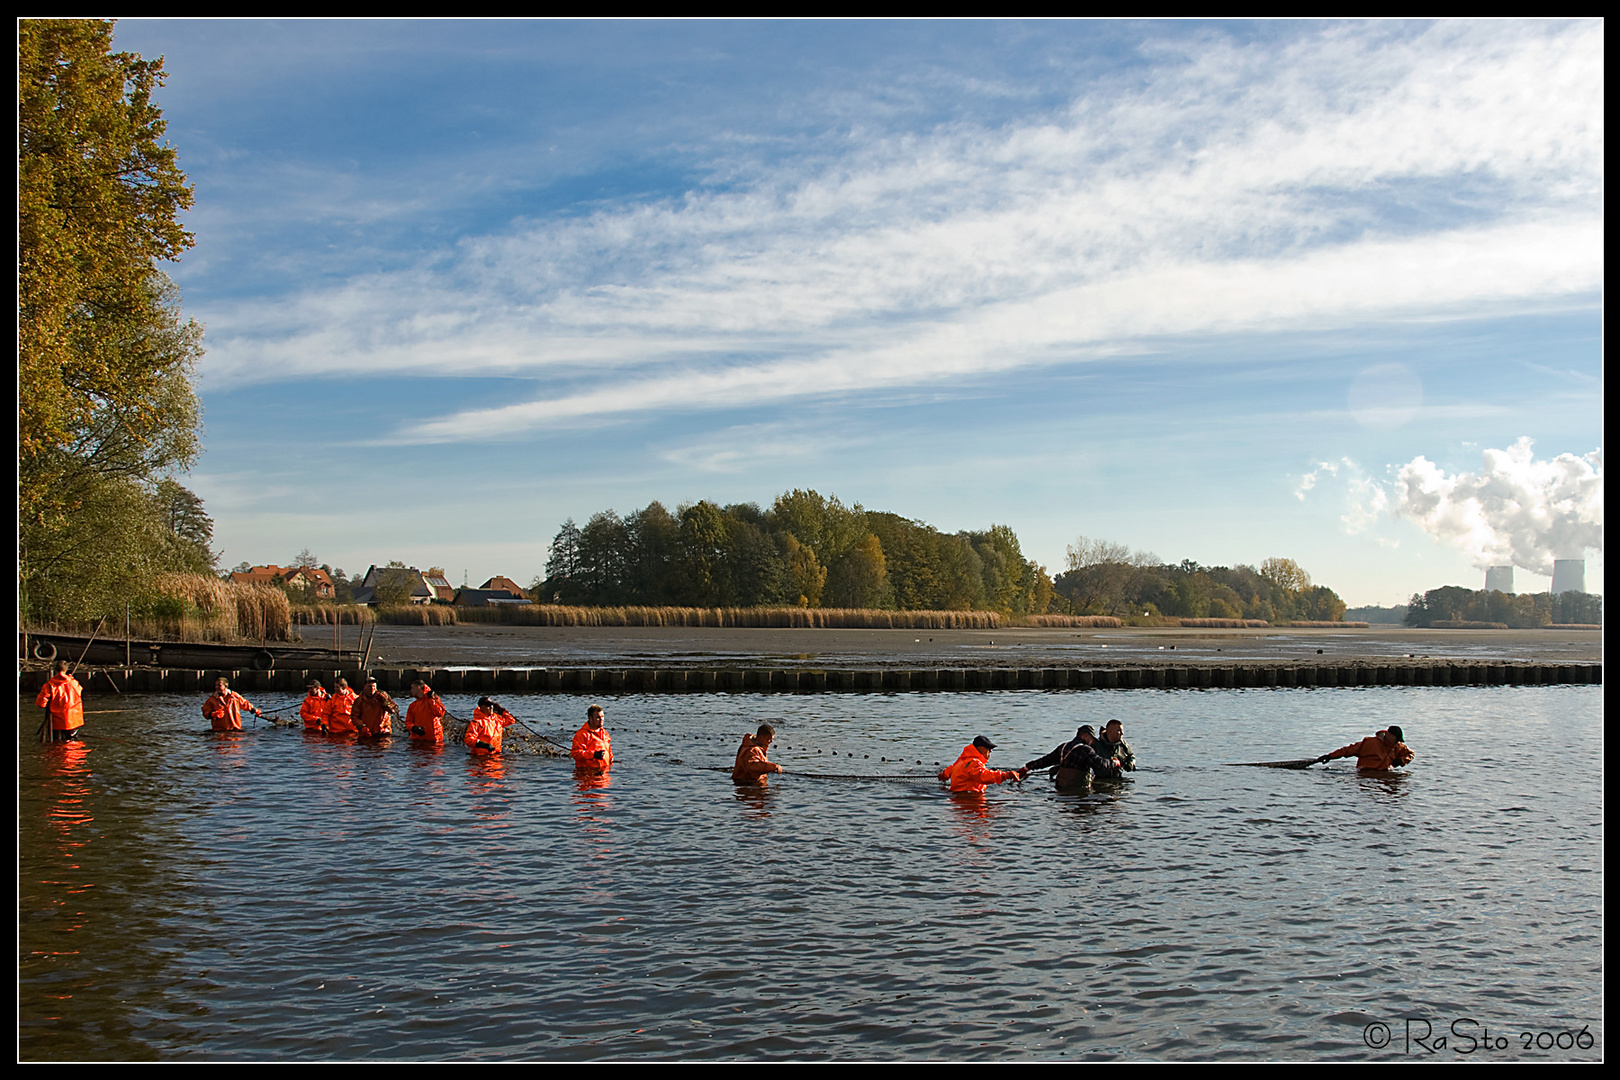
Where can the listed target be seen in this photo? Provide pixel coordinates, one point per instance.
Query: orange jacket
(1371, 753)
(484, 731)
(752, 765)
(224, 711)
(587, 743)
(63, 695)
(423, 719)
(316, 708)
(372, 714)
(340, 720)
(971, 773)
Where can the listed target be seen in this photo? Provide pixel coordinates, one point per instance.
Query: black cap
(484, 702)
(1085, 729)
(983, 743)
(1399, 735)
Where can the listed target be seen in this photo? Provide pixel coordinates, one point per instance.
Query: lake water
(271, 896)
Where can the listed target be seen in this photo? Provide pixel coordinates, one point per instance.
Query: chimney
(1569, 575)
(1499, 579)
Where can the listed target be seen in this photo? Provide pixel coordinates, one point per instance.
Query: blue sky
(1219, 291)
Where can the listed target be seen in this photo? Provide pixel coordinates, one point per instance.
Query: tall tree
(106, 408)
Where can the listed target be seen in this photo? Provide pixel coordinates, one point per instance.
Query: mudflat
(1015, 647)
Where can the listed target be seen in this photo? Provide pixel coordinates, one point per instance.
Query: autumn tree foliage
(805, 550)
(1105, 578)
(106, 410)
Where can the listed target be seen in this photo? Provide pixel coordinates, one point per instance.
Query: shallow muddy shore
(546, 646)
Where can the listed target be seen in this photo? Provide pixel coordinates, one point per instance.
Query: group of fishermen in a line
(369, 714)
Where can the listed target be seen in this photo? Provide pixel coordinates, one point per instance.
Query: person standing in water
(317, 707)
(424, 719)
(752, 765)
(63, 698)
(593, 747)
(487, 727)
(970, 772)
(224, 708)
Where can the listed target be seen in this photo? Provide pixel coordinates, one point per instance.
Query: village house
(311, 580)
(422, 588)
(497, 590)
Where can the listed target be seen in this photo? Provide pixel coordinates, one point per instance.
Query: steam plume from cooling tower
(1515, 510)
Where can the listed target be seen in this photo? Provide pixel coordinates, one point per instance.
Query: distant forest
(812, 551)
(1515, 610)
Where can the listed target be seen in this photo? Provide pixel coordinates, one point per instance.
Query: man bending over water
(1382, 750)
(752, 765)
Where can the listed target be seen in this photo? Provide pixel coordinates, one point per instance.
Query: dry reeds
(1573, 626)
(1467, 624)
(1228, 624)
(415, 615)
(774, 618)
(1062, 621)
(1318, 624)
(327, 614)
(213, 610)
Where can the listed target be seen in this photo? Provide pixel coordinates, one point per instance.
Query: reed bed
(327, 614)
(1233, 624)
(773, 618)
(201, 607)
(1319, 624)
(1573, 626)
(1065, 621)
(1466, 624)
(415, 615)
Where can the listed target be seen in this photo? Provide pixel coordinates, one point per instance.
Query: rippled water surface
(277, 896)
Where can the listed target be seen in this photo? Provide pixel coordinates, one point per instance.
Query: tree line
(805, 550)
(1105, 578)
(1453, 603)
(808, 550)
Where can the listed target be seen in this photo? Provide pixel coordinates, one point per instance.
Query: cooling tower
(1499, 579)
(1569, 575)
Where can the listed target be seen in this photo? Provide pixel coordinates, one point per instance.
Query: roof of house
(258, 575)
(499, 583)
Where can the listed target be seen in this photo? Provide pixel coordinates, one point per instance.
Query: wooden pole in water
(126, 633)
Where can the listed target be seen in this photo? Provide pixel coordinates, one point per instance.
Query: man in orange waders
(224, 709)
(64, 697)
(424, 720)
(970, 772)
(373, 711)
(593, 747)
(340, 721)
(1383, 750)
(752, 765)
(485, 730)
(317, 707)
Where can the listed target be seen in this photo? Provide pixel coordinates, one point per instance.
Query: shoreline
(1015, 647)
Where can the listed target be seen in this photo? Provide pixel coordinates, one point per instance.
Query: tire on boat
(264, 660)
(44, 650)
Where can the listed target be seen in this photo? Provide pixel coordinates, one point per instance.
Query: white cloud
(1348, 177)
(1515, 510)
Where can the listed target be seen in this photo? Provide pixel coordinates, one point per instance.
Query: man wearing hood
(970, 772)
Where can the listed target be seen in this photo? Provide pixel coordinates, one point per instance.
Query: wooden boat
(197, 655)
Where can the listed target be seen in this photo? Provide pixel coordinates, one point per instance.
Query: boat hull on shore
(176, 654)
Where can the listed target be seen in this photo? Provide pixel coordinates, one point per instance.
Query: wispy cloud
(1355, 175)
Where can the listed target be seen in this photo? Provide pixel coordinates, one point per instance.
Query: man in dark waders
(1078, 760)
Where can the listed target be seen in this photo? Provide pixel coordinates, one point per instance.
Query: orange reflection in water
(70, 815)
